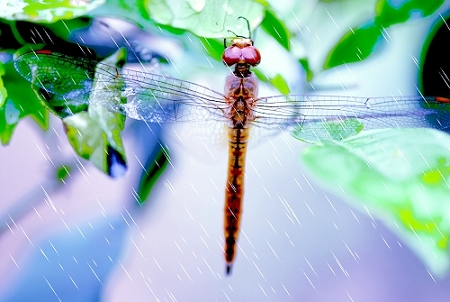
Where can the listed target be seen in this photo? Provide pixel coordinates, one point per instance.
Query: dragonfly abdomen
(234, 191)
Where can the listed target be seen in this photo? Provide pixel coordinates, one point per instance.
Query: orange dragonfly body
(241, 89)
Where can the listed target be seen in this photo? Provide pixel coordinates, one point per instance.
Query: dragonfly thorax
(236, 86)
(240, 95)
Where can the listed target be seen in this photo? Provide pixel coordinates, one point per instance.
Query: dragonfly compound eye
(251, 55)
(232, 55)
(235, 54)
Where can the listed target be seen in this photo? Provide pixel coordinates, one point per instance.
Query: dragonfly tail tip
(228, 269)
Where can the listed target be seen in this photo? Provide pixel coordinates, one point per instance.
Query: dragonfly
(155, 98)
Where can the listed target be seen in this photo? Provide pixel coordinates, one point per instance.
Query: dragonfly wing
(151, 97)
(159, 99)
(64, 84)
(336, 117)
(205, 141)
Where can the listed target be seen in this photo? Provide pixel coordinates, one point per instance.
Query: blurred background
(71, 232)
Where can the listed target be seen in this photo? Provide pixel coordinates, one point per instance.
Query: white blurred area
(297, 243)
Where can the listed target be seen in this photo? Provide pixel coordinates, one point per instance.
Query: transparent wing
(151, 97)
(336, 117)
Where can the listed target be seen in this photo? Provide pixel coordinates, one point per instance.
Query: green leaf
(101, 146)
(97, 134)
(63, 172)
(388, 14)
(74, 90)
(356, 45)
(211, 19)
(19, 103)
(334, 130)
(49, 11)
(276, 28)
(3, 93)
(305, 64)
(161, 10)
(400, 176)
(172, 30)
(280, 83)
(204, 18)
(261, 76)
(277, 81)
(158, 162)
(9, 117)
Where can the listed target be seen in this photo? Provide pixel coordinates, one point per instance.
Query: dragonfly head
(241, 51)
